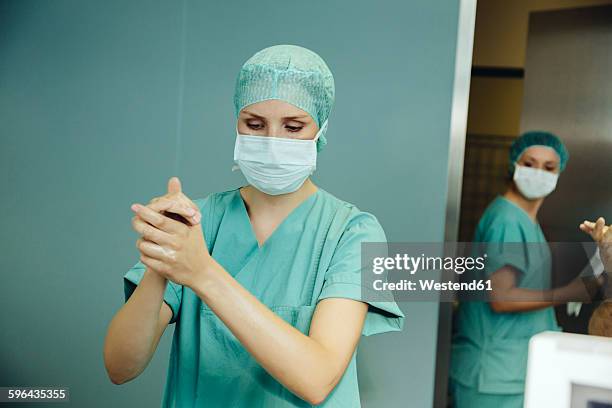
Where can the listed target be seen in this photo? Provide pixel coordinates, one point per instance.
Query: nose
(275, 130)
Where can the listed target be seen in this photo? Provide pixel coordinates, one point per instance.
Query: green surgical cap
(538, 138)
(292, 74)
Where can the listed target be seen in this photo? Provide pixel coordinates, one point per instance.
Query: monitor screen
(586, 396)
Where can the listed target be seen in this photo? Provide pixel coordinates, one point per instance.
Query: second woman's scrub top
(312, 255)
(489, 349)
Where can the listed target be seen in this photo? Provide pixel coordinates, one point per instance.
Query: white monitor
(566, 370)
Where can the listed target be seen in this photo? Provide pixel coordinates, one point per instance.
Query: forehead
(541, 154)
(274, 108)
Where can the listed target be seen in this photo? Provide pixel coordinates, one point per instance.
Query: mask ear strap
(235, 166)
(321, 130)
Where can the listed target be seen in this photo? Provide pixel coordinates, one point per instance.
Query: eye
(528, 164)
(294, 128)
(255, 126)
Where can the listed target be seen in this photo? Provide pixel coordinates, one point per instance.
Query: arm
(506, 297)
(309, 366)
(135, 331)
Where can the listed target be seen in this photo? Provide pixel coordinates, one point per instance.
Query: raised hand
(602, 234)
(176, 250)
(176, 205)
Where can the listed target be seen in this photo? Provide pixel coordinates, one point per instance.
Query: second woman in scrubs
(265, 289)
(489, 348)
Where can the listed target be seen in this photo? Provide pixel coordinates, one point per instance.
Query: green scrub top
(489, 349)
(313, 254)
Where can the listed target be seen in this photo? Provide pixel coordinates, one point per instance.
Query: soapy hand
(174, 249)
(176, 205)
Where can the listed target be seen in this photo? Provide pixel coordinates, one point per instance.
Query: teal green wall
(100, 102)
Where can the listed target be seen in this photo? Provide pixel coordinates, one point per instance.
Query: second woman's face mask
(534, 183)
(275, 165)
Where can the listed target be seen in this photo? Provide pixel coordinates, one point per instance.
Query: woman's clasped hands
(175, 250)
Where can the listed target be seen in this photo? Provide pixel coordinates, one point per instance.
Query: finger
(150, 233)
(152, 250)
(590, 224)
(158, 220)
(189, 202)
(183, 220)
(175, 206)
(188, 215)
(165, 204)
(174, 185)
(153, 263)
(175, 189)
(606, 240)
(598, 230)
(587, 227)
(182, 198)
(154, 199)
(604, 227)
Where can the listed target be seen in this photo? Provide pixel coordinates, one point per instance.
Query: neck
(531, 207)
(258, 200)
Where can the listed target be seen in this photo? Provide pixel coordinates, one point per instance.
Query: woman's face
(540, 157)
(276, 118)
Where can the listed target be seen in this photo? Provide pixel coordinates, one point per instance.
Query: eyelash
(528, 164)
(292, 129)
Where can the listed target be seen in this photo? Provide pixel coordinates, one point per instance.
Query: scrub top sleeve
(343, 276)
(174, 293)
(505, 246)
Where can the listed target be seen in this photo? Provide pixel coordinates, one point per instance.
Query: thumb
(174, 185)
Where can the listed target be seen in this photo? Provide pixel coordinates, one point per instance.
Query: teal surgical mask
(275, 165)
(534, 183)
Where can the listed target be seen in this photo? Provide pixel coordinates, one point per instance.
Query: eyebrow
(284, 117)
(545, 162)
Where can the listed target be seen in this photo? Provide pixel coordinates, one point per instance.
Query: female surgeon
(490, 339)
(263, 281)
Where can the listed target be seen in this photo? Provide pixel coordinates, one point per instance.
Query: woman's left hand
(176, 251)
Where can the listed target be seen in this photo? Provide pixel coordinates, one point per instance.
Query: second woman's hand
(602, 235)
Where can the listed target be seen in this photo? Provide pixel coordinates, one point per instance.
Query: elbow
(114, 375)
(317, 396)
(498, 301)
(117, 376)
(117, 373)
(120, 374)
(318, 392)
(116, 379)
(499, 307)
